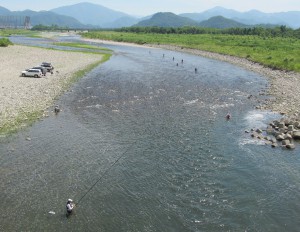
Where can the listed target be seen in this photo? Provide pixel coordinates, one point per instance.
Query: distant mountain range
(253, 17)
(172, 20)
(167, 19)
(96, 15)
(88, 15)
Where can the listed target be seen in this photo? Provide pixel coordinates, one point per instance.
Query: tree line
(53, 27)
(279, 31)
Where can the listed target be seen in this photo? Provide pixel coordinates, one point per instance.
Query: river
(142, 144)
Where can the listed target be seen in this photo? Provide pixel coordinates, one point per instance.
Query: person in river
(228, 116)
(70, 206)
(56, 109)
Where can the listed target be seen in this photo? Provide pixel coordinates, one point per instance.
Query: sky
(147, 7)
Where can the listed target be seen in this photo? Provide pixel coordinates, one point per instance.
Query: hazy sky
(146, 7)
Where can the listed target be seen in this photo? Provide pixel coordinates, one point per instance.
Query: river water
(142, 144)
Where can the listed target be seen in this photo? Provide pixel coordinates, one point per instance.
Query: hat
(70, 200)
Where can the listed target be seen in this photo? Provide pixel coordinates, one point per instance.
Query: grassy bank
(274, 52)
(23, 32)
(82, 45)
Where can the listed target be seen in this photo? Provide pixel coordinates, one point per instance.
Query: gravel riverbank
(20, 96)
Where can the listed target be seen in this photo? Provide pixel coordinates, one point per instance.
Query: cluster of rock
(281, 132)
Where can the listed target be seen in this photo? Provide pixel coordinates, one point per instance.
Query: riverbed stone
(274, 145)
(296, 135)
(276, 122)
(290, 146)
(280, 137)
(269, 130)
(288, 136)
(282, 130)
(259, 131)
(286, 142)
(273, 140)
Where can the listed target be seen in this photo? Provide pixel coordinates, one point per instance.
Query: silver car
(32, 73)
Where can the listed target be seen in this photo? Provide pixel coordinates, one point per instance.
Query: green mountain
(46, 18)
(221, 23)
(167, 19)
(4, 11)
(49, 18)
(94, 14)
(252, 17)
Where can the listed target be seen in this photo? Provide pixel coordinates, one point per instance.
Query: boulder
(273, 140)
(290, 146)
(288, 136)
(259, 131)
(274, 145)
(269, 130)
(276, 122)
(291, 128)
(259, 136)
(276, 133)
(286, 142)
(296, 135)
(282, 130)
(281, 125)
(280, 137)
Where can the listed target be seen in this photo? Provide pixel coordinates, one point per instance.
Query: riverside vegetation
(273, 49)
(4, 42)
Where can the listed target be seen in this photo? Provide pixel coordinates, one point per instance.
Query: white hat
(70, 200)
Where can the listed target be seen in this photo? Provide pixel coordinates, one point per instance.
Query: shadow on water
(151, 140)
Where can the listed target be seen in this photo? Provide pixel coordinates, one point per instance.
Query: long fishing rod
(107, 170)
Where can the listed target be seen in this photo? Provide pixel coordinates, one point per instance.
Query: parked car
(43, 69)
(32, 73)
(48, 66)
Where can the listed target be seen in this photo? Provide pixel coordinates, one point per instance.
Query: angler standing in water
(70, 206)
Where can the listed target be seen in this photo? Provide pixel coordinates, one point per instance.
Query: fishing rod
(107, 170)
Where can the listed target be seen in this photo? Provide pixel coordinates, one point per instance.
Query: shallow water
(142, 144)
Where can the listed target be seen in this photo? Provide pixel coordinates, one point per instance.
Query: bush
(4, 42)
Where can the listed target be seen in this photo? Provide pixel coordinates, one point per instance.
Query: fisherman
(56, 109)
(70, 206)
(228, 116)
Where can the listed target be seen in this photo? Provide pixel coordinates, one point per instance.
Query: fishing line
(107, 170)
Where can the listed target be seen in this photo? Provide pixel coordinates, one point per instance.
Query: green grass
(82, 45)
(9, 32)
(28, 117)
(274, 52)
(4, 42)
